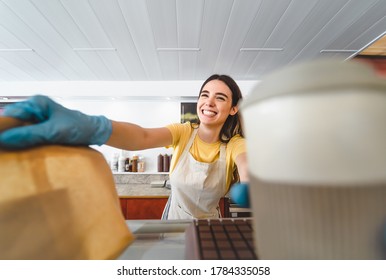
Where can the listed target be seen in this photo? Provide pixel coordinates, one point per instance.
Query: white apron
(196, 187)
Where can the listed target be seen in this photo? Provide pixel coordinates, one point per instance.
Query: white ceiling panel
(113, 23)
(10, 41)
(5, 75)
(334, 28)
(235, 33)
(89, 25)
(265, 23)
(366, 26)
(87, 22)
(213, 27)
(62, 21)
(31, 16)
(14, 70)
(163, 18)
(189, 19)
(18, 61)
(132, 40)
(37, 42)
(189, 25)
(136, 15)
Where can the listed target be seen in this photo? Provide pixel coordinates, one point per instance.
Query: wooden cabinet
(144, 208)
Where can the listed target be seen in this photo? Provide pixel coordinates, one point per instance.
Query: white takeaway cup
(316, 142)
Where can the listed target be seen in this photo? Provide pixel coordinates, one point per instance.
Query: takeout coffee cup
(316, 141)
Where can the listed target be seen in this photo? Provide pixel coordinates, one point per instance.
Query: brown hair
(232, 125)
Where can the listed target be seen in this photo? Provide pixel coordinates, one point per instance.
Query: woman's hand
(52, 123)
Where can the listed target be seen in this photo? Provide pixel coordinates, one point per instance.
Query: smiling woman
(208, 156)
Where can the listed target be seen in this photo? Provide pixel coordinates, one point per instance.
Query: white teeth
(208, 113)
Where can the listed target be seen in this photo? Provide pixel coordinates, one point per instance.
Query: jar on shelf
(166, 163)
(160, 163)
(134, 163)
(127, 165)
(141, 164)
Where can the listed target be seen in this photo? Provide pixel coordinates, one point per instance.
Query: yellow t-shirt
(202, 151)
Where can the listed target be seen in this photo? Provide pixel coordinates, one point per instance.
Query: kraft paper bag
(59, 202)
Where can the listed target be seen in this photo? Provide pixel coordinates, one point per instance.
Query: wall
(144, 113)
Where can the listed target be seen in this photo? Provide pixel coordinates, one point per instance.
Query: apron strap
(165, 213)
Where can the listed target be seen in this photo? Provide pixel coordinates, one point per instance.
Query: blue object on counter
(240, 194)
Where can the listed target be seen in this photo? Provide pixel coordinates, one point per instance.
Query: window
(188, 112)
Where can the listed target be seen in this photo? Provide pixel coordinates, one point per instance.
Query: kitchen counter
(141, 190)
(134, 185)
(156, 240)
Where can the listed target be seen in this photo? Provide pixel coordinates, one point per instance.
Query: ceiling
(154, 40)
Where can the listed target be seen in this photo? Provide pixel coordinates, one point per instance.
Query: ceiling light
(338, 51)
(178, 49)
(261, 49)
(16, 50)
(93, 49)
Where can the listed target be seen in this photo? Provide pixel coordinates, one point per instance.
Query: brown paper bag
(59, 202)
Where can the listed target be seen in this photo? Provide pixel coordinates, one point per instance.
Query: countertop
(141, 190)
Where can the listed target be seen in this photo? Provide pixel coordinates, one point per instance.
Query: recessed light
(178, 49)
(261, 49)
(93, 49)
(338, 51)
(16, 50)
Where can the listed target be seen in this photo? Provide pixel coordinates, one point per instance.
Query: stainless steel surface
(156, 240)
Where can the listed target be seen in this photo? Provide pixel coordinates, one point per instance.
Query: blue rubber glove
(240, 194)
(52, 124)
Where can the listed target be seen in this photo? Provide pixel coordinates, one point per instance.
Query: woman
(205, 156)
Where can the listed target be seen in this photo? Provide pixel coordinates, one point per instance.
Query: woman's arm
(55, 124)
(133, 137)
(242, 167)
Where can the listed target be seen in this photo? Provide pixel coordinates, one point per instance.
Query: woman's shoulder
(237, 139)
(180, 131)
(180, 127)
(236, 144)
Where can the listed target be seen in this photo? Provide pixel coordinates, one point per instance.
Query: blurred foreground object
(316, 139)
(59, 202)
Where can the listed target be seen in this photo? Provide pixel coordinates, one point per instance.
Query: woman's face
(215, 103)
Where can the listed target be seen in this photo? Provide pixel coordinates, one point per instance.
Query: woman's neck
(209, 134)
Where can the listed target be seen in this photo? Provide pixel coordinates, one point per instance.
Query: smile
(208, 113)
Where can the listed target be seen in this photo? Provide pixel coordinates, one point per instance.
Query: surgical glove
(52, 123)
(240, 194)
